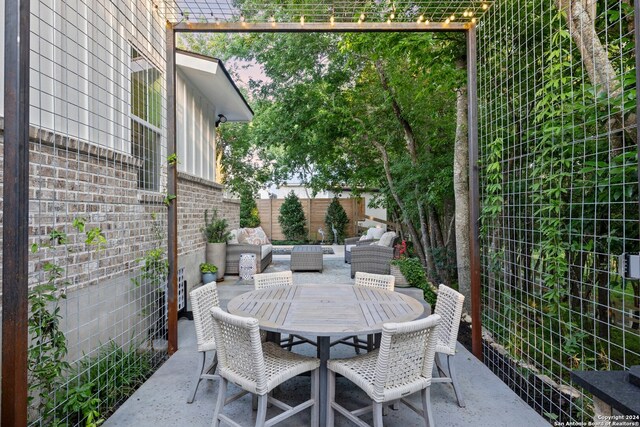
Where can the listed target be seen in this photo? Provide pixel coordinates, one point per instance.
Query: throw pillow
(387, 239)
(375, 233)
(242, 235)
(264, 240)
(234, 237)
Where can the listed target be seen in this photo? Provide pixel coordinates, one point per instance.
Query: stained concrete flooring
(161, 401)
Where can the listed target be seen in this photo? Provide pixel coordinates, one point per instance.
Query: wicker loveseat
(245, 241)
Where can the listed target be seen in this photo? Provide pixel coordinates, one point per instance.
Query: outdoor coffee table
(307, 258)
(325, 311)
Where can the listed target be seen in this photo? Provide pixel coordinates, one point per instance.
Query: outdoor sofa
(248, 241)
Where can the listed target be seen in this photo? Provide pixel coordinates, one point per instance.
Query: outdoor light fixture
(221, 119)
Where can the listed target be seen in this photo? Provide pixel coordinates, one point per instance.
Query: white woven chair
(449, 307)
(257, 368)
(369, 280)
(401, 366)
(203, 299)
(274, 280)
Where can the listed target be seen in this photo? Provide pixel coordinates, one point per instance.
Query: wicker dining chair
(257, 368)
(203, 299)
(369, 280)
(401, 366)
(449, 307)
(274, 280)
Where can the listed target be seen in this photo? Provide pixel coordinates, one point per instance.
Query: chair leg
(454, 381)
(289, 345)
(315, 392)
(427, 413)
(438, 364)
(194, 388)
(222, 394)
(377, 414)
(331, 397)
(355, 343)
(261, 417)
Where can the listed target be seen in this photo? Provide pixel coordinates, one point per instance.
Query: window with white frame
(146, 119)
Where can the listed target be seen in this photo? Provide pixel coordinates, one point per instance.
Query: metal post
(172, 188)
(474, 196)
(15, 239)
(636, 18)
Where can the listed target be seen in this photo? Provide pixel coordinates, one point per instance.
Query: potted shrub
(216, 233)
(413, 271)
(209, 272)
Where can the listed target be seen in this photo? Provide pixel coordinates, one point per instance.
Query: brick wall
(71, 179)
(194, 196)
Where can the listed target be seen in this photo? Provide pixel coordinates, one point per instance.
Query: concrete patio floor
(162, 400)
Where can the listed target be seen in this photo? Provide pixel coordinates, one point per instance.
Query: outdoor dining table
(325, 311)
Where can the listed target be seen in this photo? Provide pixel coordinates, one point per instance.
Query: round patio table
(325, 311)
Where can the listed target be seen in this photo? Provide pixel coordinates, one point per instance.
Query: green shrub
(336, 217)
(249, 216)
(292, 219)
(216, 230)
(205, 267)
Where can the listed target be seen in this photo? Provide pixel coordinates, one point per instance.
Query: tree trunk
(461, 194)
(580, 19)
(438, 243)
(412, 230)
(410, 141)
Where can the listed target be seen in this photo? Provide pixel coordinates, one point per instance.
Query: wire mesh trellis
(97, 221)
(559, 192)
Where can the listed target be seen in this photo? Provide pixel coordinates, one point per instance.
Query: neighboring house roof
(214, 82)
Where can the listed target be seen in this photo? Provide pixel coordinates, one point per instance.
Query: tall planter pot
(217, 255)
(401, 281)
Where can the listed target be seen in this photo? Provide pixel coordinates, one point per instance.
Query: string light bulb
(302, 20)
(272, 19)
(332, 20)
(362, 17)
(473, 20)
(388, 21)
(465, 13)
(392, 16)
(420, 18)
(446, 21)
(426, 22)
(485, 6)
(453, 17)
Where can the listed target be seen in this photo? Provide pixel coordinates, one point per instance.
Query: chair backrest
(406, 354)
(239, 350)
(377, 281)
(449, 307)
(272, 280)
(203, 299)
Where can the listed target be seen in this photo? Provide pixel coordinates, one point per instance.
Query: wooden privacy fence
(315, 211)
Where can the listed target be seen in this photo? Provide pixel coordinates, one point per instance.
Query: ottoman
(306, 258)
